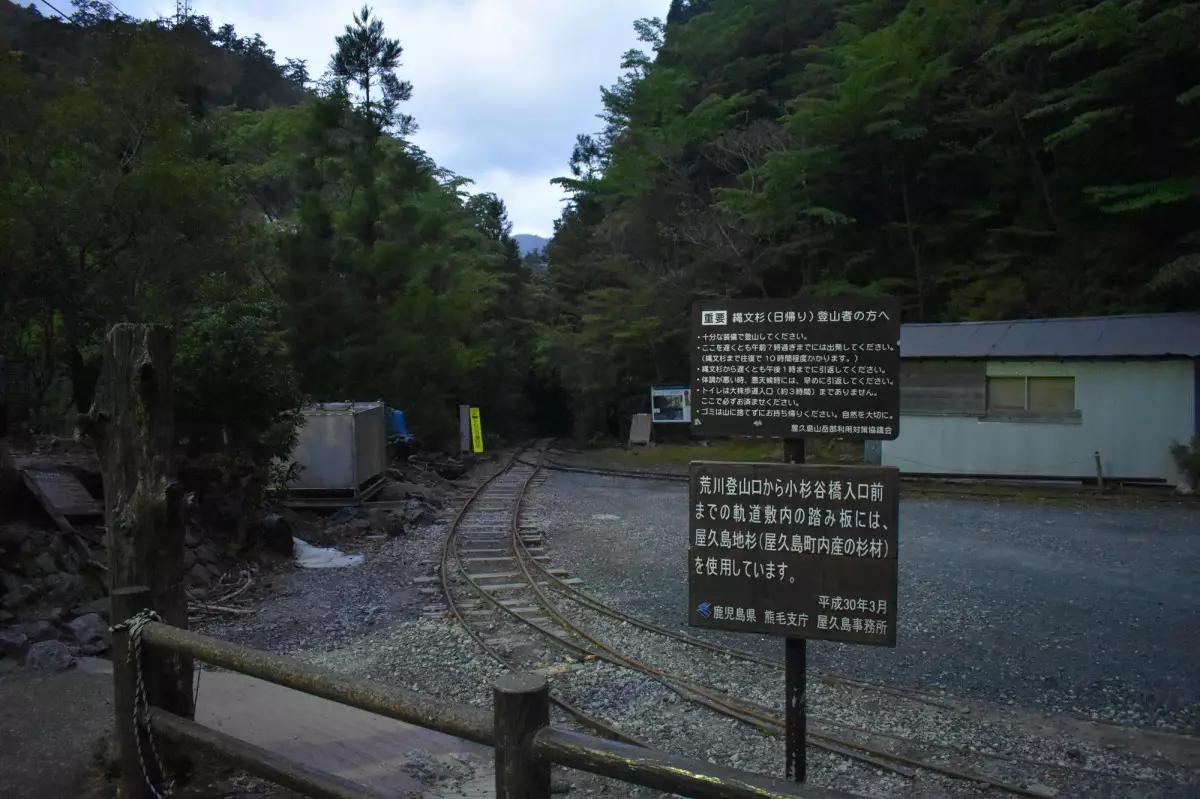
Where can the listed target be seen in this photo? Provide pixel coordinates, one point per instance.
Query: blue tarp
(397, 430)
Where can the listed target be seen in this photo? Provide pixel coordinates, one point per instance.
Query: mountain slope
(529, 242)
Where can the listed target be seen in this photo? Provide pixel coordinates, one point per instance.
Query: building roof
(1135, 336)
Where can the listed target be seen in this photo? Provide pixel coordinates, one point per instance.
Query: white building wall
(1132, 411)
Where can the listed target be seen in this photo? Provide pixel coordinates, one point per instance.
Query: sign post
(795, 550)
(795, 675)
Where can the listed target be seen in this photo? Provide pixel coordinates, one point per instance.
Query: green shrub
(237, 402)
(1187, 456)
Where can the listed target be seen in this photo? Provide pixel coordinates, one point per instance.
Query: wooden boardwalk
(367, 749)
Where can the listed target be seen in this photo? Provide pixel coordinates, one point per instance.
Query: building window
(1006, 393)
(1049, 399)
(943, 388)
(1051, 394)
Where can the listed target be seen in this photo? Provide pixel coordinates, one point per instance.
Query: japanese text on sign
(783, 368)
(807, 551)
(476, 431)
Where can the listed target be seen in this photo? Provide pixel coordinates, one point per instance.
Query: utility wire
(67, 17)
(56, 11)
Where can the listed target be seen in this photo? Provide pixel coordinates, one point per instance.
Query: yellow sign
(476, 431)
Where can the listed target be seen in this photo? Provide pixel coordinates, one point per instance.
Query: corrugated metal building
(1042, 396)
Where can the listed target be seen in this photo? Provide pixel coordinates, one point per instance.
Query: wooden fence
(518, 728)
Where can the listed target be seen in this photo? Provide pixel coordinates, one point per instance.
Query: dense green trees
(985, 159)
(980, 160)
(175, 172)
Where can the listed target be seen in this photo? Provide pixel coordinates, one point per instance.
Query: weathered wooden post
(132, 424)
(522, 707)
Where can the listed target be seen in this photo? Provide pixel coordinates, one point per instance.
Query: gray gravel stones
(636, 562)
(998, 602)
(365, 621)
(314, 608)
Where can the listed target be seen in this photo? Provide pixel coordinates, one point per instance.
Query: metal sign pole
(795, 689)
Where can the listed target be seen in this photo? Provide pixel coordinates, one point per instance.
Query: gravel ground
(1059, 609)
(304, 609)
(636, 561)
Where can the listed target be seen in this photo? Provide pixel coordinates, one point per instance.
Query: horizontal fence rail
(461, 721)
(519, 730)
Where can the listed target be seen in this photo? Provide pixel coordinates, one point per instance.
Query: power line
(67, 17)
(56, 11)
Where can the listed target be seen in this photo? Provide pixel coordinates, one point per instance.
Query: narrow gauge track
(494, 576)
(927, 487)
(479, 536)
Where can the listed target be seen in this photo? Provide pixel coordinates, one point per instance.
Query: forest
(991, 159)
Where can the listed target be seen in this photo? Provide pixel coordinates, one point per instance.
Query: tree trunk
(132, 424)
(82, 372)
(913, 247)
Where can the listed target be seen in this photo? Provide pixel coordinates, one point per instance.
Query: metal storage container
(342, 448)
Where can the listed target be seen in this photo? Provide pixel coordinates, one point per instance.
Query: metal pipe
(666, 772)
(461, 721)
(260, 762)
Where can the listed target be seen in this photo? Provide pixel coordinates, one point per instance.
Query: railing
(519, 729)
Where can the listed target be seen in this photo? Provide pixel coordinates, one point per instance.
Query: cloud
(533, 204)
(501, 87)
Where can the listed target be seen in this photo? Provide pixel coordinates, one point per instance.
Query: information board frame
(676, 398)
(785, 369)
(742, 554)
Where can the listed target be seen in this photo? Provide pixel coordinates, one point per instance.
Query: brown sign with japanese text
(826, 366)
(794, 550)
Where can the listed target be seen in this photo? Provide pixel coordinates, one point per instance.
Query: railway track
(922, 486)
(496, 580)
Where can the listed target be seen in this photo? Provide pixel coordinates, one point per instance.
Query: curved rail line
(707, 696)
(451, 556)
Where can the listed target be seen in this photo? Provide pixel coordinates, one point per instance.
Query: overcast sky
(500, 87)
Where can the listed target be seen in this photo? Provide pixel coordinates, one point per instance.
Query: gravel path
(1058, 609)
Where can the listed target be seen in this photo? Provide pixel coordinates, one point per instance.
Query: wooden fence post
(133, 426)
(131, 752)
(522, 707)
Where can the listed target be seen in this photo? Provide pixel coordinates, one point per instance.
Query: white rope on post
(141, 708)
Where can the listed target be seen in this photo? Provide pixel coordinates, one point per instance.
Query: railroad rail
(1032, 487)
(538, 595)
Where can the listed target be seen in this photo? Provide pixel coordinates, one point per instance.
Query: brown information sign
(792, 550)
(827, 367)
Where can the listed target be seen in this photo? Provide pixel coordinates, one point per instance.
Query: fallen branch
(199, 606)
(238, 591)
